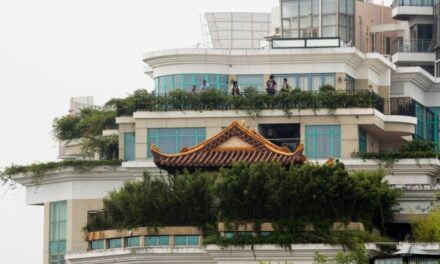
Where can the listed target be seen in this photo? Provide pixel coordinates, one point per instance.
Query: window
(166, 84)
(97, 244)
(350, 83)
(132, 242)
(58, 225)
(247, 81)
(154, 241)
(172, 140)
(323, 141)
(186, 240)
(362, 140)
(129, 146)
(114, 243)
(230, 235)
(307, 81)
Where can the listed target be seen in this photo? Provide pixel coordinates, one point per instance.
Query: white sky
(51, 50)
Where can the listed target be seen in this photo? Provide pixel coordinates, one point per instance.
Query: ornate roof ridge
(235, 124)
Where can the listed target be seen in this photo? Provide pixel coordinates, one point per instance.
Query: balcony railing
(252, 102)
(402, 106)
(413, 3)
(421, 46)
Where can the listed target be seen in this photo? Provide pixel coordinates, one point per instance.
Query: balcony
(252, 102)
(413, 52)
(403, 9)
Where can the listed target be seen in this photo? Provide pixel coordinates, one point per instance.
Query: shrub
(427, 229)
(418, 146)
(253, 193)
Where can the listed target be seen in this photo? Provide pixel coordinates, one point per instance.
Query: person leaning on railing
(271, 86)
(286, 86)
(235, 89)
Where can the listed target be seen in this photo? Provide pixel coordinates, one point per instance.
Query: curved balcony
(403, 9)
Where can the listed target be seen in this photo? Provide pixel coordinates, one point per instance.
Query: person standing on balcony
(204, 85)
(286, 86)
(271, 86)
(235, 89)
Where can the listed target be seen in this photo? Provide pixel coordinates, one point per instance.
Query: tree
(427, 229)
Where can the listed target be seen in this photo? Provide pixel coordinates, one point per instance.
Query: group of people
(271, 86)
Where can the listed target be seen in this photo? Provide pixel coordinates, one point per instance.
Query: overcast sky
(51, 50)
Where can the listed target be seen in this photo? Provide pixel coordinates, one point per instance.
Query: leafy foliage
(418, 146)
(184, 200)
(38, 170)
(252, 193)
(250, 101)
(417, 149)
(89, 123)
(357, 255)
(427, 229)
(107, 146)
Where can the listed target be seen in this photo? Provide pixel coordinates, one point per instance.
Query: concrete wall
(368, 15)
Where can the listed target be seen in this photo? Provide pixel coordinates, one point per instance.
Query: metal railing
(413, 3)
(420, 45)
(189, 101)
(402, 106)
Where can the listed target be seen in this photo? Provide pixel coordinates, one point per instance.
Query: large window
(166, 84)
(97, 244)
(323, 141)
(186, 240)
(132, 242)
(247, 81)
(129, 146)
(301, 19)
(172, 140)
(114, 243)
(307, 82)
(157, 241)
(58, 225)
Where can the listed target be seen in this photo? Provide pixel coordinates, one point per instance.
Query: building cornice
(418, 77)
(347, 55)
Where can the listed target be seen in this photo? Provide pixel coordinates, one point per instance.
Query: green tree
(427, 229)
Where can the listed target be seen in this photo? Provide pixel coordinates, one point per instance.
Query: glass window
(323, 141)
(172, 140)
(166, 84)
(153, 241)
(362, 140)
(186, 240)
(58, 225)
(316, 82)
(114, 243)
(132, 242)
(247, 81)
(97, 244)
(129, 146)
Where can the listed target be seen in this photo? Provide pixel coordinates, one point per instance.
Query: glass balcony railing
(421, 46)
(413, 3)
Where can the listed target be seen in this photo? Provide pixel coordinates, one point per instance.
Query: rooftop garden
(290, 199)
(38, 170)
(417, 149)
(250, 100)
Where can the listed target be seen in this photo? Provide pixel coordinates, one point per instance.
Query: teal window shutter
(362, 140)
(129, 147)
(172, 140)
(323, 141)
